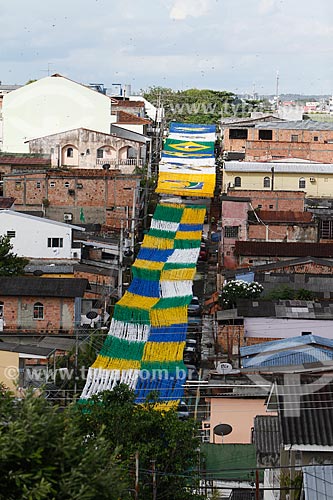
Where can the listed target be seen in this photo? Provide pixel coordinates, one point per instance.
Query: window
(18, 185)
(38, 185)
(70, 152)
(271, 206)
(267, 182)
(231, 231)
(238, 182)
(238, 133)
(316, 138)
(326, 229)
(294, 138)
(52, 184)
(88, 152)
(66, 184)
(52, 151)
(100, 153)
(55, 242)
(301, 183)
(1, 308)
(11, 234)
(265, 135)
(259, 206)
(38, 310)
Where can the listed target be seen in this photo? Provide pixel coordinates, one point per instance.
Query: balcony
(134, 162)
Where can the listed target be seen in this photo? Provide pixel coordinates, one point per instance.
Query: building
(130, 121)
(39, 238)
(49, 106)
(266, 141)
(77, 195)
(314, 179)
(90, 149)
(41, 305)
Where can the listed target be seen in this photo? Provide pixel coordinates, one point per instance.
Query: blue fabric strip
(190, 227)
(145, 288)
(154, 255)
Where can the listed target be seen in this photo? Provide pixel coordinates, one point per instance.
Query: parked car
(194, 307)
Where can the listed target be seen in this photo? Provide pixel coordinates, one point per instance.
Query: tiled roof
(284, 216)
(281, 249)
(129, 104)
(124, 117)
(6, 202)
(306, 412)
(42, 287)
(24, 159)
(293, 309)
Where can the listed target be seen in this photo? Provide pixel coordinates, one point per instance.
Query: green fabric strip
(170, 235)
(169, 266)
(131, 315)
(183, 244)
(122, 349)
(171, 302)
(146, 274)
(171, 366)
(168, 214)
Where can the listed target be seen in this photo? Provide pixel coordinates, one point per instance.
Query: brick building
(99, 196)
(41, 305)
(306, 139)
(11, 162)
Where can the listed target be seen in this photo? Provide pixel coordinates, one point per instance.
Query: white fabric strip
(185, 256)
(163, 225)
(133, 332)
(99, 380)
(175, 288)
(197, 137)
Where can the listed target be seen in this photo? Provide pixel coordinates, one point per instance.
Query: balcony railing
(113, 162)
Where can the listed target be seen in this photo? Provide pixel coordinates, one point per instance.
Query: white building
(38, 238)
(51, 105)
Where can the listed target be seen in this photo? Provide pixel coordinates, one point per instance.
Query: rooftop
(282, 249)
(279, 167)
(296, 125)
(6, 202)
(25, 159)
(23, 286)
(124, 117)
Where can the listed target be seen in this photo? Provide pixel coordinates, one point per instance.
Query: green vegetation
(238, 289)
(287, 293)
(87, 451)
(201, 105)
(10, 263)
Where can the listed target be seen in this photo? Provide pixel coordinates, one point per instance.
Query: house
(39, 238)
(278, 200)
(20, 163)
(51, 105)
(41, 305)
(241, 222)
(304, 139)
(129, 121)
(91, 149)
(315, 179)
(77, 195)
(264, 252)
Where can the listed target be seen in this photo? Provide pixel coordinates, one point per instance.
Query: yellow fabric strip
(148, 264)
(188, 235)
(163, 351)
(171, 405)
(107, 363)
(137, 301)
(159, 243)
(201, 185)
(193, 216)
(167, 317)
(178, 274)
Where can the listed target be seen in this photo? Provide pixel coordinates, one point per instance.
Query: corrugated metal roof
(283, 249)
(26, 349)
(305, 356)
(41, 219)
(278, 345)
(267, 436)
(283, 168)
(61, 343)
(318, 482)
(296, 125)
(306, 412)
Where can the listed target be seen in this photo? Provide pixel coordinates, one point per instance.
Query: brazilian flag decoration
(144, 347)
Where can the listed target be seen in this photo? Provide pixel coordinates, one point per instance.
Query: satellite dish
(92, 315)
(223, 368)
(222, 429)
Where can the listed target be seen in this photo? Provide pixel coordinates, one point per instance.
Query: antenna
(277, 89)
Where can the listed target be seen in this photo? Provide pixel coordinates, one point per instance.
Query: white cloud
(267, 6)
(182, 9)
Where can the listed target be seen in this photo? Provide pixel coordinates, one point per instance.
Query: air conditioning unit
(312, 179)
(68, 217)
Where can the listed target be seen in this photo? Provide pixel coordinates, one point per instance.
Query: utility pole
(136, 475)
(153, 471)
(120, 261)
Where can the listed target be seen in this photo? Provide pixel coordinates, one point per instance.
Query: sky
(234, 45)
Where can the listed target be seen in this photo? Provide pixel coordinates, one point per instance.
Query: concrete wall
(9, 360)
(283, 232)
(48, 106)
(18, 314)
(239, 413)
(234, 214)
(322, 186)
(273, 200)
(32, 233)
(277, 328)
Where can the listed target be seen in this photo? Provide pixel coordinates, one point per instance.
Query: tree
(45, 456)
(238, 289)
(10, 263)
(158, 436)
